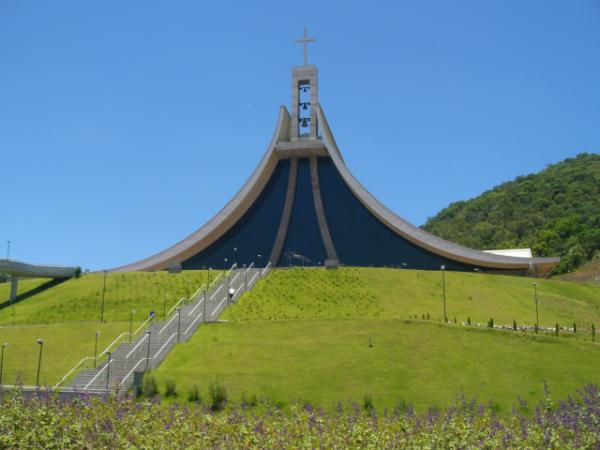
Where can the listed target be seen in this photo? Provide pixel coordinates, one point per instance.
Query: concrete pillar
(14, 282)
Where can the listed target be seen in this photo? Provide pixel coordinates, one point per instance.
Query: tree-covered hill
(554, 212)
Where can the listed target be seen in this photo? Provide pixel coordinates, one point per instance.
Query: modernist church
(303, 206)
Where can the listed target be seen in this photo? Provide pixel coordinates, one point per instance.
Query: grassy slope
(79, 300)
(23, 286)
(67, 316)
(400, 294)
(313, 343)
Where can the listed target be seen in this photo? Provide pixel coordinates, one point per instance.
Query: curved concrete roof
(227, 216)
(281, 147)
(417, 235)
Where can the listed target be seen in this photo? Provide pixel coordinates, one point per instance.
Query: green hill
(67, 317)
(337, 335)
(555, 212)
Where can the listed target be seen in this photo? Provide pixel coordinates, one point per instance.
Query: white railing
(136, 346)
(130, 372)
(70, 372)
(165, 344)
(176, 305)
(192, 324)
(98, 374)
(245, 286)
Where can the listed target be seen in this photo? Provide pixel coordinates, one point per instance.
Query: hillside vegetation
(555, 212)
(328, 336)
(67, 316)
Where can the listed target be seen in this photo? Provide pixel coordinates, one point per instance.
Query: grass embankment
(22, 287)
(328, 336)
(67, 317)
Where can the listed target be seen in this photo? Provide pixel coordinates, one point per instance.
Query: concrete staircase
(151, 348)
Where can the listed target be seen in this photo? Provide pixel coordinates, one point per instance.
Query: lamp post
(148, 352)
(443, 268)
(234, 254)
(107, 369)
(7, 249)
(204, 306)
(537, 315)
(2, 361)
(131, 325)
(37, 378)
(245, 278)
(103, 295)
(165, 306)
(208, 276)
(96, 349)
(178, 324)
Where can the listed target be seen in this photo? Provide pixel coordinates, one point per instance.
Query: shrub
(170, 388)
(491, 323)
(194, 394)
(468, 321)
(218, 396)
(368, 402)
(150, 389)
(250, 401)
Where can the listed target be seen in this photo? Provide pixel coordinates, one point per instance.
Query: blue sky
(125, 125)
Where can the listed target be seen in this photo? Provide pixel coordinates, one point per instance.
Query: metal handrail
(131, 371)
(192, 324)
(136, 346)
(98, 374)
(63, 379)
(165, 344)
(167, 324)
(182, 299)
(112, 343)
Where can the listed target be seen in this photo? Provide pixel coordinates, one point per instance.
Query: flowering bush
(86, 422)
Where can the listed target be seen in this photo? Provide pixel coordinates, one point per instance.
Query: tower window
(304, 108)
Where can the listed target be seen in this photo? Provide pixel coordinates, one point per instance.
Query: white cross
(305, 42)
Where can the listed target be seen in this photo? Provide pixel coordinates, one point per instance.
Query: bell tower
(304, 96)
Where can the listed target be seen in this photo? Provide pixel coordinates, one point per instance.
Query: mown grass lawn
(325, 336)
(403, 294)
(393, 361)
(65, 344)
(80, 299)
(67, 317)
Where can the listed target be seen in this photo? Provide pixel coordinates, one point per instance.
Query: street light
(7, 249)
(443, 268)
(537, 315)
(149, 333)
(2, 361)
(165, 307)
(208, 276)
(103, 294)
(131, 325)
(178, 324)
(107, 369)
(96, 349)
(37, 379)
